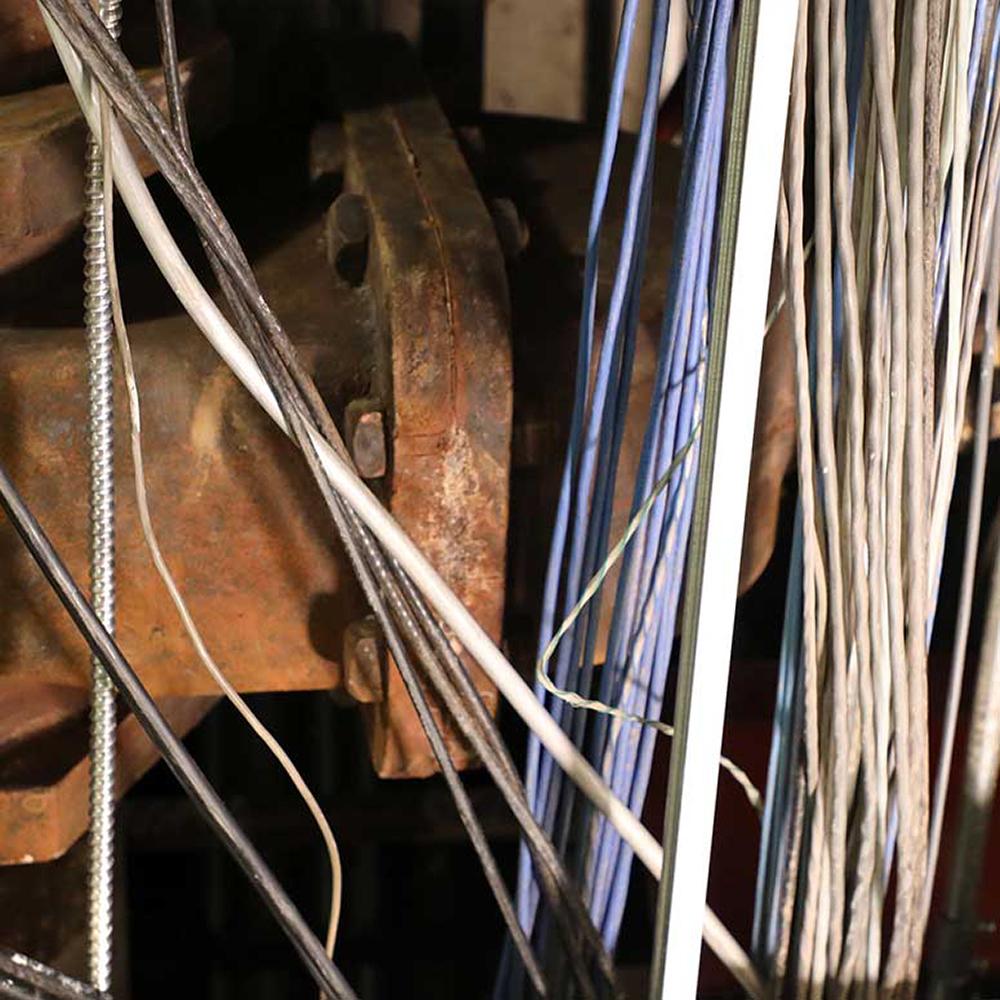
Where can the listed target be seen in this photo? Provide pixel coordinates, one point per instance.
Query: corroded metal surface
(239, 521)
(420, 341)
(437, 274)
(26, 53)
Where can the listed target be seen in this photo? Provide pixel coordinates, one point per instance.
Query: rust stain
(435, 224)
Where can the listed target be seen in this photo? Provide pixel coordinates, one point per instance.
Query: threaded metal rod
(97, 313)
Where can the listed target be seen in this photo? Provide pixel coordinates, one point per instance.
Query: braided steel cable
(292, 386)
(228, 252)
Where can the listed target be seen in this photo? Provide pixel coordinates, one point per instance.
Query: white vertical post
(704, 671)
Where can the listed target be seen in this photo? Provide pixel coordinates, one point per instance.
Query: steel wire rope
(425, 716)
(494, 866)
(433, 587)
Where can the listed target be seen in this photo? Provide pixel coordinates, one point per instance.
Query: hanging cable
(187, 620)
(333, 464)
(906, 230)
(973, 522)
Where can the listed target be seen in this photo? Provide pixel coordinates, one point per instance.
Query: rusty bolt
(365, 427)
(364, 661)
(347, 237)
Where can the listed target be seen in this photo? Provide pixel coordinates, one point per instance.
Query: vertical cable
(97, 314)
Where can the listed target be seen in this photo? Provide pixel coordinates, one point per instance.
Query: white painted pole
(704, 671)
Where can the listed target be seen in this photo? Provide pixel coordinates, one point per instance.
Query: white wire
(146, 520)
(343, 478)
(703, 671)
(946, 437)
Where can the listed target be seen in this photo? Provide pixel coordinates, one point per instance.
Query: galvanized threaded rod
(97, 312)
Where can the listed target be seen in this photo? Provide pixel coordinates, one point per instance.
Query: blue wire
(527, 897)
(629, 755)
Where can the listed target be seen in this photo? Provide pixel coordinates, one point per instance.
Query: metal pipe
(103, 722)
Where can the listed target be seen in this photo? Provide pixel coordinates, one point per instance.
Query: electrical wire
(885, 424)
(574, 700)
(467, 815)
(978, 796)
(346, 524)
(748, 203)
(340, 475)
(630, 684)
(183, 612)
(973, 522)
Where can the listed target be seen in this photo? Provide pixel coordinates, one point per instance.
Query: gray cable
(103, 721)
(910, 866)
(855, 513)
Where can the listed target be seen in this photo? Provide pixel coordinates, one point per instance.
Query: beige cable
(142, 501)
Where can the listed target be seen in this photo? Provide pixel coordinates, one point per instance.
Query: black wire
(349, 528)
(491, 747)
(187, 772)
(103, 58)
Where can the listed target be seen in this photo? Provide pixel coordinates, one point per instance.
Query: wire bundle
(904, 182)
(263, 360)
(413, 634)
(628, 689)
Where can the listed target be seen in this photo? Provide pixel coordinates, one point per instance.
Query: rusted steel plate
(44, 782)
(239, 521)
(42, 140)
(437, 274)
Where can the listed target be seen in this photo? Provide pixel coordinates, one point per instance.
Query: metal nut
(365, 427)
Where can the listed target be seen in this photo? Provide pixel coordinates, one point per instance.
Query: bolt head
(366, 438)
